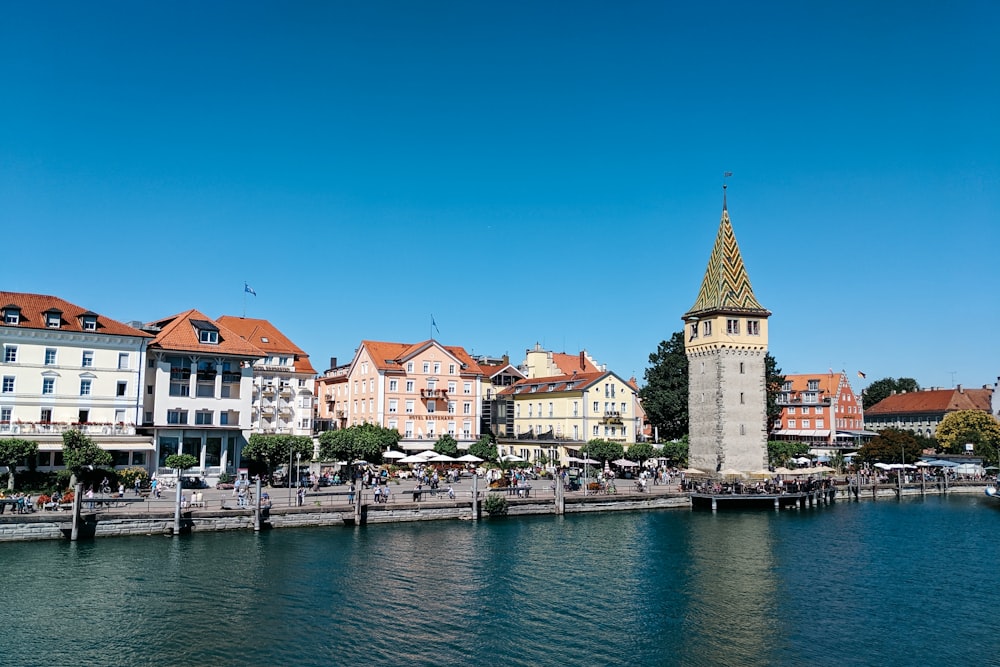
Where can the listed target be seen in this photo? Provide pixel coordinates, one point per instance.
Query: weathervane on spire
(725, 175)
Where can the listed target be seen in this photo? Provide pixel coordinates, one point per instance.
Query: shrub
(225, 478)
(495, 505)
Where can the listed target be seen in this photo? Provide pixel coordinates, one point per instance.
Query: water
(886, 583)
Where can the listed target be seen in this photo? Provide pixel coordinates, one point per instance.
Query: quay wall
(58, 526)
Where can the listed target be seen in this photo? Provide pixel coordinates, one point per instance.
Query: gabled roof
(828, 382)
(933, 401)
(268, 339)
(492, 371)
(393, 356)
(568, 363)
(33, 306)
(726, 286)
(559, 383)
(179, 333)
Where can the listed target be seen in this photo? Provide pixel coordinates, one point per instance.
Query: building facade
(920, 412)
(283, 380)
(65, 367)
(199, 392)
(819, 409)
(422, 390)
(726, 341)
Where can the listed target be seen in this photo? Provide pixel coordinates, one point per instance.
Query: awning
(133, 446)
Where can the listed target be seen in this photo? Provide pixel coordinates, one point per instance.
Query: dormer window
(53, 318)
(813, 385)
(208, 333)
(11, 314)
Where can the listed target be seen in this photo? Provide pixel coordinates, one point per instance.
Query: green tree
(665, 395)
(603, 450)
(970, 426)
(779, 452)
(640, 452)
(676, 452)
(880, 389)
(773, 381)
(12, 452)
(362, 441)
(891, 446)
(181, 461)
(81, 453)
(484, 448)
(446, 445)
(270, 451)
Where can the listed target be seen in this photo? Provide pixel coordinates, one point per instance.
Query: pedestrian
(301, 495)
(350, 493)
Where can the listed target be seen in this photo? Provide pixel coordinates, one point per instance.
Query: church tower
(725, 339)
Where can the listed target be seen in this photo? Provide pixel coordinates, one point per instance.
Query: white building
(65, 367)
(198, 394)
(283, 381)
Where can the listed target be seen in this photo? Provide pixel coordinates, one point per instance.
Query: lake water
(871, 583)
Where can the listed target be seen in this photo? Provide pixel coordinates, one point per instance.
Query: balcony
(268, 390)
(90, 428)
(286, 390)
(611, 417)
(433, 393)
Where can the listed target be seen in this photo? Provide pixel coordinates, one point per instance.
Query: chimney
(960, 390)
(583, 361)
(333, 362)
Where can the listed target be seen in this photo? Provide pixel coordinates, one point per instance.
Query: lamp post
(298, 477)
(289, 476)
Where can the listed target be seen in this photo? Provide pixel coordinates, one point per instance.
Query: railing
(432, 393)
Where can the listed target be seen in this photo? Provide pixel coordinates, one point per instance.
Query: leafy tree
(880, 389)
(891, 446)
(676, 452)
(773, 381)
(362, 441)
(446, 445)
(970, 426)
(665, 396)
(181, 461)
(484, 448)
(604, 450)
(780, 452)
(270, 451)
(12, 452)
(81, 453)
(640, 452)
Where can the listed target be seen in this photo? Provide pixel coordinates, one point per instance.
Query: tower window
(706, 327)
(753, 327)
(742, 368)
(694, 331)
(732, 327)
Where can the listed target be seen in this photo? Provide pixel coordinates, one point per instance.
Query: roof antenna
(725, 175)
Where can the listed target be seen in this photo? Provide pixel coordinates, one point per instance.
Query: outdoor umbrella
(625, 463)
(589, 461)
(393, 454)
(510, 458)
(730, 472)
(413, 459)
(469, 458)
(441, 458)
(693, 471)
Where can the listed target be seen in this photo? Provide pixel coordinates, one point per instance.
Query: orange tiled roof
(386, 355)
(568, 363)
(931, 401)
(828, 382)
(580, 382)
(33, 307)
(489, 370)
(178, 333)
(255, 331)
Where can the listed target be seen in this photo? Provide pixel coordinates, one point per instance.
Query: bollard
(75, 531)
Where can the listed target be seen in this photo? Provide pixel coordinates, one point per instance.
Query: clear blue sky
(524, 171)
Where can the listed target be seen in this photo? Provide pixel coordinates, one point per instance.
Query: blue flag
(247, 288)
(434, 324)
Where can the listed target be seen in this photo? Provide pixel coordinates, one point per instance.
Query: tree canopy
(270, 451)
(640, 452)
(484, 448)
(446, 445)
(780, 452)
(181, 461)
(364, 442)
(80, 452)
(12, 452)
(665, 395)
(773, 380)
(969, 426)
(604, 450)
(880, 389)
(891, 446)
(676, 452)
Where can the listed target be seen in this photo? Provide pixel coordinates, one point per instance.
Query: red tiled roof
(177, 333)
(580, 382)
(255, 331)
(933, 401)
(34, 305)
(568, 363)
(489, 370)
(828, 382)
(385, 354)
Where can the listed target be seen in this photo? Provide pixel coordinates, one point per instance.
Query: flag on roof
(247, 288)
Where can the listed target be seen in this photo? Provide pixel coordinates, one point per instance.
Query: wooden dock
(796, 500)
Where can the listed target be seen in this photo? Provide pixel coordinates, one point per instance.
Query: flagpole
(244, 299)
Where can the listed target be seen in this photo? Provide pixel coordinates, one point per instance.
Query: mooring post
(713, 504)
(475, 496)
(777, 506)
(357, 506)
(256, 512)
(560, 496)
(74, 532)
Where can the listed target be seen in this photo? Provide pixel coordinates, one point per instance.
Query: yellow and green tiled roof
(726, 286)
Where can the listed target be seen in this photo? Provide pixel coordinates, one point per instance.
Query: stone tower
(725, 339)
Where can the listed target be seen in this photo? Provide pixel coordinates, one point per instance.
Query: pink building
(423, 390)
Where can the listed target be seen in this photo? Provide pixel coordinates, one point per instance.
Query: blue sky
(523, 171)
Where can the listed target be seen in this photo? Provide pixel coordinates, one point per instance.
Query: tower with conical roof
(725, 339)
